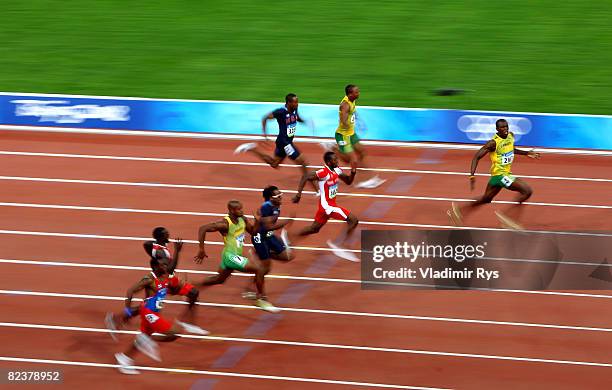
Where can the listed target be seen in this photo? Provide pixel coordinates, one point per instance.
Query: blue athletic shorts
(286, 150)
(267, 245)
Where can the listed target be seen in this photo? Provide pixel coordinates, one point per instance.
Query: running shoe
(285, 238)
(455, 215)
(148, 346)
(267, 306)
(245, 147)
(371, 183)
(193, 329)
(508, 222)
(250, 295)
(126, 365)
(110, 325)
(342, 253)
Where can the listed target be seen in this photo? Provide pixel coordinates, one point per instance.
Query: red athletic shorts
(338, 212)
(152, 322)
(176, 283)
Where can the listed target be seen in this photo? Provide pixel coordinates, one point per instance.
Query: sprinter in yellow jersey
(233, 228)
(501, 150)
(349, 146)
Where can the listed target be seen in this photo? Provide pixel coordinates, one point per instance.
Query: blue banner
(373, 123)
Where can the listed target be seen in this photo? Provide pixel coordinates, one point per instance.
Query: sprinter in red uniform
(328, 179)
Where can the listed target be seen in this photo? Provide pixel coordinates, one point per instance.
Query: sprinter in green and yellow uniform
(501, 150)
(233, 228)
(348, 143)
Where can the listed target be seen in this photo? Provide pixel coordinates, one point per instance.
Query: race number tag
(240, 240)
(507, 180)
(289, 149)
(507, 158)
(291, 130)
(353, 118)
(151, 318)
(257, 238)
(239, 260)
(333, 191)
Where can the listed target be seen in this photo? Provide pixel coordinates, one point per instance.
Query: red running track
(394, 338)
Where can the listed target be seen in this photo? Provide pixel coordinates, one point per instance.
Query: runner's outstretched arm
(219, 226)
(308, 176)
(487, 148)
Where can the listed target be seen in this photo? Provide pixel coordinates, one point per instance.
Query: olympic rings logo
(482, 127)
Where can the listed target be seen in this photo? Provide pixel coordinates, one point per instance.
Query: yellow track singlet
(350, 130)
(234, 239)
(502, 157)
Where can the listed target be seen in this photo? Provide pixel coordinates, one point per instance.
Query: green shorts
(232, 261)
(346, 142)
(502, 181)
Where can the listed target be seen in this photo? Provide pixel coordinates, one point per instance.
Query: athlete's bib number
(289, 149)
(151, 318)
(333, 191)
(241, 261)
(291, 130)
(507, 180)
(507, 158)
(257, 238)
(240, 240)
(353, 118)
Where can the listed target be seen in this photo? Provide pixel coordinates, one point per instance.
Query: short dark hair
(267, 192)
(349, 88)
(290, 97)
(233, 203)
(328, 156)
(158, 232)
(497, 122)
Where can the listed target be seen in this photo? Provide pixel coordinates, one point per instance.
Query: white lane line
(258, 164)
(175, 212)
(252, 137)
(273, 276)
(224, 188)
(214, 373)
(127, 238)
(330, 312)
(334, 346)
(308, 278)
(196, 213)
(287, 277)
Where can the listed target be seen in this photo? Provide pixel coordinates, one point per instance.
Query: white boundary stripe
(332, 346)
(178, 134)
(288, 277)
(195, 213)
(221, 162)
(213, 373)
(330, 312)
(128, 238)
(224, 188)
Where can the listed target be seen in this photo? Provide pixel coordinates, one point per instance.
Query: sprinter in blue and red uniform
(287, 118)
(267, 245)
(155, 284)
(159, 249)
